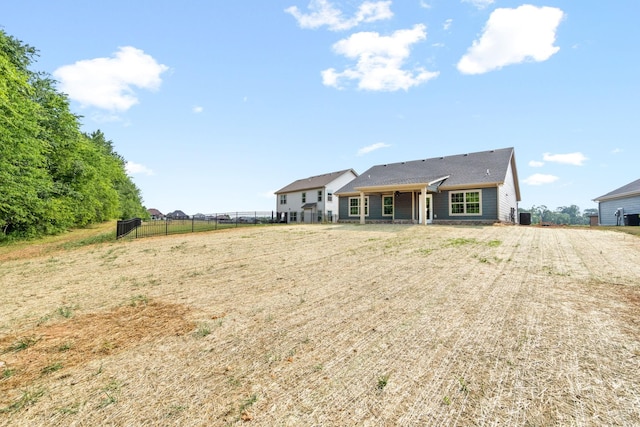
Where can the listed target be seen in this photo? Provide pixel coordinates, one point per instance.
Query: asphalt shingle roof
(484, 167)
(631, 189)
(317, 181)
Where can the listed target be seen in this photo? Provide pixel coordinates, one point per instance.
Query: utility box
(593, 220)
(632, 219)
(525, 218)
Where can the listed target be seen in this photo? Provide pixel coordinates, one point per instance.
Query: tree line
(569, 215)
(53, 176)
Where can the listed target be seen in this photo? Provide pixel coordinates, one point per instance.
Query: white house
(312, 199)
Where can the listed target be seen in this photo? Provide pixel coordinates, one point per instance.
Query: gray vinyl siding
(402, 207)
(489, 206)
(343, 207)
(375, 208)
(441, 206)
(607, 209)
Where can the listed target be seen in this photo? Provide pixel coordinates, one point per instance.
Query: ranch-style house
(311, 200)
(620, 206)
(478, 188)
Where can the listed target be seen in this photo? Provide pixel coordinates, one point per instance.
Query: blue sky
(217, 104)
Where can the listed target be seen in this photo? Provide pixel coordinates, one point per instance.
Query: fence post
(192, 222)
(166, 227)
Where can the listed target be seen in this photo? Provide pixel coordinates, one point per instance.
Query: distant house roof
(177, 214)
(154, 212)
(629, 190)
(312, 182)
(482, 169)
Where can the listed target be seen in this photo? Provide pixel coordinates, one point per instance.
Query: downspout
(362, 207)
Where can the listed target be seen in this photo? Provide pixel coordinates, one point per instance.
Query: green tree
(52, 176)
(24, 181)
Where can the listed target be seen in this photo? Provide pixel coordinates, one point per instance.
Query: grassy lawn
(323, 325)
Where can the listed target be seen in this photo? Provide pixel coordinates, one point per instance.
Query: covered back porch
(398, 203)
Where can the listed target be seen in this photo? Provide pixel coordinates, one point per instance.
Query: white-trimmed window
(283, 199)
(354, 206)
(329, 196)
(319, 195)
(387, 205)
(304, 197)
(468, 202)
(293, 217)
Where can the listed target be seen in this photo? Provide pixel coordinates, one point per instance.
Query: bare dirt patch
(53, 349)
(335, 325)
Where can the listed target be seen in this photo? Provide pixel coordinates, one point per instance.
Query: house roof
(154, 212)
(177, 213)
(317, 181)
(631, 189)
(481, 169)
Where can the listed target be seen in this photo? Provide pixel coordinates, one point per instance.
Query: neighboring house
(477, 187)
(177, 215)
(623, 202)
(155, 214)
(312, 199)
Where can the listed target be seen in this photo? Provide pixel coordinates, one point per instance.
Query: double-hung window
(387, 205)
(304, 197)
(283, 199)
(319, 195)
(354, 206)
(467, 202)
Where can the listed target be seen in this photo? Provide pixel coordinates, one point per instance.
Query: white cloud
(536, 164)
(540, 179)
(424, 4)
(447, 24)
(198, 109)
(379, 61)
(372, 147)
(513, 36)
(480, 4)
(108, 83)
(616, 151)
(323, 12)
(137, 169)
(576, 159)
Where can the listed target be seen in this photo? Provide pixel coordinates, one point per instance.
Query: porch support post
(361, 207)
(413, 207)
(423, 205)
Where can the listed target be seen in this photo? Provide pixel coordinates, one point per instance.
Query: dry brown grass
(326, 325)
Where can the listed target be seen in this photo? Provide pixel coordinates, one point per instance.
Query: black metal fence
(127, 226)
(136, 228)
